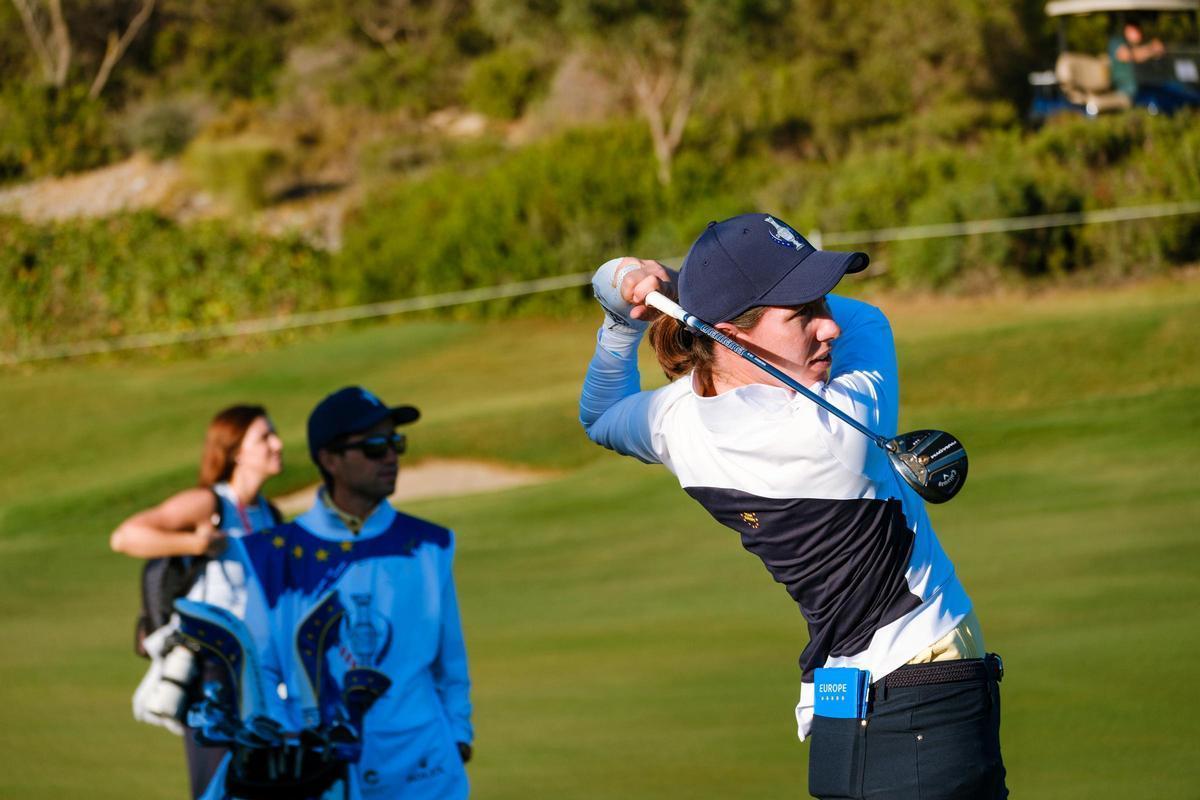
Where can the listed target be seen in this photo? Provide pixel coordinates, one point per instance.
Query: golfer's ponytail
(681, 351)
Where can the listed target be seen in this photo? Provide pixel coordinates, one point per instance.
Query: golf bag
(265, 763)
(165, 580)
(281, 772)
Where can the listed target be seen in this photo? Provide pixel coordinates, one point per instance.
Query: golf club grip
(666, 305)
(671, 308)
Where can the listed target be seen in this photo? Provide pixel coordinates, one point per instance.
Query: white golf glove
(606, 284)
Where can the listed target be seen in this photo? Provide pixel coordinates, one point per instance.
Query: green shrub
(501, 83)
(141, 273)
(1162, 164)
(1071, 165)
(223, 49)
(48, 131)
(488, 216)
(414, 79)
(556, 207)
(245, 170)
(565, 204)
(160, 128)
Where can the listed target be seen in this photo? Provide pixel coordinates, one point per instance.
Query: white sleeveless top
(223, 582)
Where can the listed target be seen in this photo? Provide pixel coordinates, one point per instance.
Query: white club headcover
(154, 645)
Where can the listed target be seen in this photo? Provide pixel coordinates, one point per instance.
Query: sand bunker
(435, 478)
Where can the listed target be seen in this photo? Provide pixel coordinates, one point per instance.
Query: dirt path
(131, 185)
(436, 478)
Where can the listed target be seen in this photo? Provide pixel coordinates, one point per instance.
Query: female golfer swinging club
(897, 692)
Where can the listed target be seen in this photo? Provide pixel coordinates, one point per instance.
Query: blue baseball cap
(350, 410)
(757, 260)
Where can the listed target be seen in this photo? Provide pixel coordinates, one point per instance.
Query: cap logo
(783, 235)
(370, 398)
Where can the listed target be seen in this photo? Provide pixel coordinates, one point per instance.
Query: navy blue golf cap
(351, 410)
(757, 260)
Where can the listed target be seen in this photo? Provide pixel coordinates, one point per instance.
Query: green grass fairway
(622, 644)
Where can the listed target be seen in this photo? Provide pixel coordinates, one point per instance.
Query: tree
(53, 47)
(50, 37)
(665, 53)
(117, 45)
(664, 78)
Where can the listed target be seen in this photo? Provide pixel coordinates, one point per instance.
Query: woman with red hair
(241, 451)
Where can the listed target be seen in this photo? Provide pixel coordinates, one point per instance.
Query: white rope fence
(1006, 225)
(523, 288)
(301, 320)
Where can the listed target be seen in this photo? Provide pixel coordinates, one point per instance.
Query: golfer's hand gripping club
(607, 284)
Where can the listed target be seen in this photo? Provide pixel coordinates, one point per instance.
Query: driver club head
(933, 463)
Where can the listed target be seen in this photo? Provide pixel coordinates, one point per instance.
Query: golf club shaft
(673, 309)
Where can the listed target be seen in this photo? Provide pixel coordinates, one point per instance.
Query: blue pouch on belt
(841, 692)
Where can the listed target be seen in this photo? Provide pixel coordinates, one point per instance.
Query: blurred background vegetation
(344, 151)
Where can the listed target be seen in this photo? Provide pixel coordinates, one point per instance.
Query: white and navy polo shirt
(813, 498)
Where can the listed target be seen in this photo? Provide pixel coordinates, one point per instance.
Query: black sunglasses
(377, 446)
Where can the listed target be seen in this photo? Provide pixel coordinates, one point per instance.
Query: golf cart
(1081, 81)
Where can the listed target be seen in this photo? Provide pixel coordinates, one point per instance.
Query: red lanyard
(246, 527)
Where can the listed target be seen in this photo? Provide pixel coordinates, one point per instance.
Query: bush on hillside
(245, 170)
(1072, 165)
(47, 131)
(141, 273)
(545, 210)
(161, 128)
(501, 83)
(565, 204)
(1164, 164)
(416, 80)
(222, 49)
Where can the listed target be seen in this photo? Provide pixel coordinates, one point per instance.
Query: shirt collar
(327, 519)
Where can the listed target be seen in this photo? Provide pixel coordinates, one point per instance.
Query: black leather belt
(990, 667)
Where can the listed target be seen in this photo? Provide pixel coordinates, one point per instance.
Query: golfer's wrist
(618, 338)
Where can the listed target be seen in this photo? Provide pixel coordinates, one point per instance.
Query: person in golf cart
(1129, 47)
(1137, 71)
(810, 496)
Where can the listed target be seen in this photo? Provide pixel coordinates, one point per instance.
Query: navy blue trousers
(936, 742)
